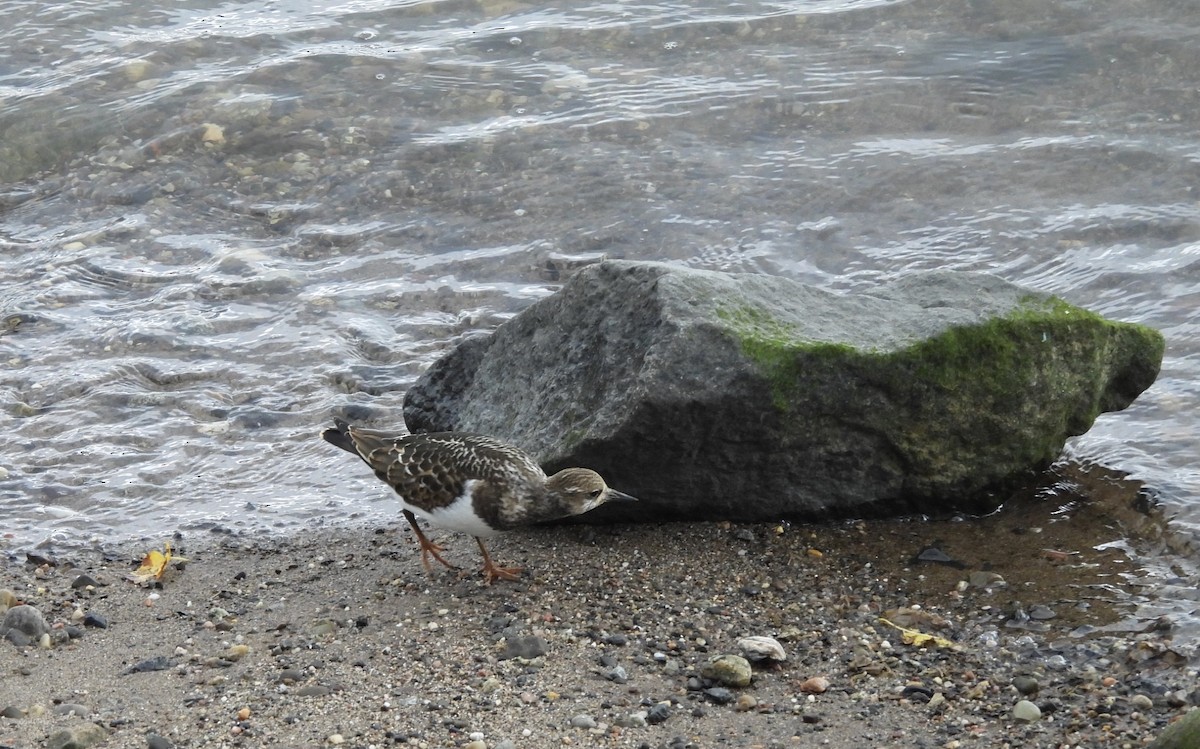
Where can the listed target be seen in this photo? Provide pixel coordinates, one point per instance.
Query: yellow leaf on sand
(920, 639)
(155, 563)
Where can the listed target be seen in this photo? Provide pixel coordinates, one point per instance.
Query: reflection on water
(222, 221)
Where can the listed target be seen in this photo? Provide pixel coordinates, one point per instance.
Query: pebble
(583, 721)
(212, 133)
(84, 581)
(815, 685)
(617, 674)
(524, 646)
(154, 741)
(633, 720)
(95, 620)
(12, 712)
(1141, 702)
(291, 675)
(729, 670)
(505, 744)
(1026, 712)
(81, 736)
(236, 652)
(1026, 685)
(659, 713)
(759, 648)
(157, 663)
(314, 690)
(745, 703)
(25, 619)
(69, 708)
(719, 695)
(985, 580)
(1041, 612)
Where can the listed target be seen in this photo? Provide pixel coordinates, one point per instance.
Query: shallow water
(222, 222)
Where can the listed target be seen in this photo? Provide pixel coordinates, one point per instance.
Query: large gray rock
(712, 395)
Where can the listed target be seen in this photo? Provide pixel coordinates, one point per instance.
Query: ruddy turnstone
(471, 483)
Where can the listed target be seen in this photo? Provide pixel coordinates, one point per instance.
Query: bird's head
(580, 490)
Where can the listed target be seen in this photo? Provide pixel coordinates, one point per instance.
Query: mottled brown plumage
(470, 483)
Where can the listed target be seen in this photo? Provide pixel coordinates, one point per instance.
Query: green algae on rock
(756, 397)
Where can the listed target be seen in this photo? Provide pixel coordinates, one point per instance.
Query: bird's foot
(492, 573)
(430, 549)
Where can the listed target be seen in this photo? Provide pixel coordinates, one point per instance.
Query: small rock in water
(212, 133)
(760, 648)
(1026, 712)
(730, 670)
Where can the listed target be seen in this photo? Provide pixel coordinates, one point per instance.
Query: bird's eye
(596, 493)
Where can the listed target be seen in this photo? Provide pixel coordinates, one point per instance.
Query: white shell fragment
(759, 648)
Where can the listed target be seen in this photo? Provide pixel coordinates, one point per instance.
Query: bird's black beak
(616, 496)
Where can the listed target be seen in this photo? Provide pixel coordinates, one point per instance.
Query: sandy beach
(338, 638)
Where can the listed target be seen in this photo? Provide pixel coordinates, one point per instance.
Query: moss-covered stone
(712, 395)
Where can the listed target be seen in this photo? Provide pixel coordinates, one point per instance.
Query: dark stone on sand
(936, 556)
(719, 695)
(157, 663)
(658, 714)
(95, 620)
(84, 580)
(1026, 685)
(713, 395)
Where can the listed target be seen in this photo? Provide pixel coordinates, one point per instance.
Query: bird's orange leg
(427, 547)
(491, 572)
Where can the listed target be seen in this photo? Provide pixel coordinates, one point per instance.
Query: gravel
(339, 637)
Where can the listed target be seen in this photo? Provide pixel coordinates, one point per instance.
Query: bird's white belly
(459, 516)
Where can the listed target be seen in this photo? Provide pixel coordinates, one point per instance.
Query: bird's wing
(431, 470)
